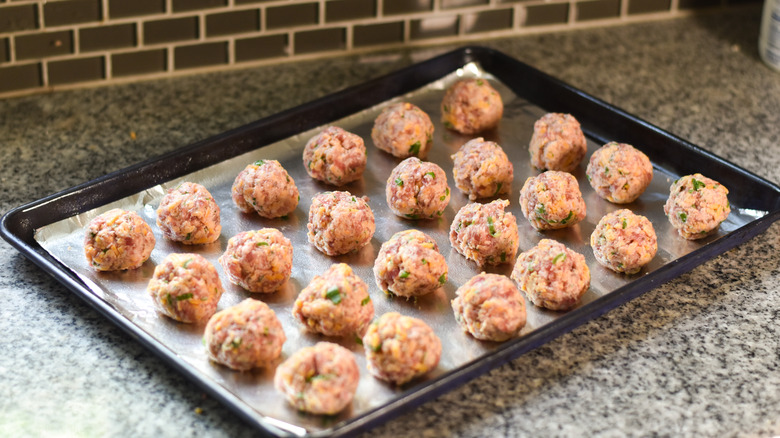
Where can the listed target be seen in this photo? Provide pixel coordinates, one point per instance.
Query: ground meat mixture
(624, 241)
(551, 275)
(471, 106)
(557, 143)
(117, 240)
(189, 214)
(485, 233)
(265, 187)
(399, 348)
(552, 200)
(258, 260)
(340, 222)
(697, 205)
(403, 130)
(335, 303)
(320, 380)
(490, 307)
(185, 287)
(245, 336)
(409, 264)
(482, 169)
(335, 156)
(417, 190)
(619, 172)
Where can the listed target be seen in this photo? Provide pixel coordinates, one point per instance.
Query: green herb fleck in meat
(186, 263)
(625, 223)
(432, 175)
(404, 274)
(443, 278)
(415, 148)
(697, 184)
(366, 300)
(183, 297)
(498, 188)
(559, 257)
(333, 294)
(259, 162)
(683, 216)
(491, 227)
(261, 244)
(399, 182)
(567, 218)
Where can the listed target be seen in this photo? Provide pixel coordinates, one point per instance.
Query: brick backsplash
(56, 44)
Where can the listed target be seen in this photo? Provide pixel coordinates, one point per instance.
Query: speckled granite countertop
(699, 356)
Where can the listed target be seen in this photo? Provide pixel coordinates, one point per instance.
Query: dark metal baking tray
(757, 198)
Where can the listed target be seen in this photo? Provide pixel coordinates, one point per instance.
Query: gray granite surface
(698, 356)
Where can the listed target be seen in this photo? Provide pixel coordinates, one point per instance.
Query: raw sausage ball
(552, 275)
(470, 106)
(335, 303)
(340, 223)
(403, 130)
(264, 186)
(185, 287)
(552, 200)
(624, 241)
(557, 143)
(335, 156)
(399, 348)
(117, 240)
(485, 233)
(320, 380)
(482, 169)
(409, 264)
(490, 307)
(417, 189)
(697, 205)
(258, 260)
(619, 172)
(189, 214)
(245, 336)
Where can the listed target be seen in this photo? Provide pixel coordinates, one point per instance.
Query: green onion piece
(186, 263)
(358, 340)
(498, 188)
(235, 343)
(376, 348)
(399, 182)
(503, 257)
(259, 162)
(404, 274)
(540, 209)
(443, 278)
(480, 82)
(366, 300)
(561, 256)
(412, 216)
(625, 223)
(433, 175)
(188, 237)
(697, 184)
(606, 170)
(183, 297)
(442, 197)
(447, 191)
(683, 216)
(491, 227)
(353, 199)
(333, 294)
(261, 244)
(571, 213)
(415, 148)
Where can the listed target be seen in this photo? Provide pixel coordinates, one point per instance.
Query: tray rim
(18, 226)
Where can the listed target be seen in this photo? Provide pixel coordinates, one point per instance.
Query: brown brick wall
(56, 44)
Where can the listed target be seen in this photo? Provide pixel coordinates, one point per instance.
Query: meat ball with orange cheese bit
(189, 214)
(335, 303)
(399, 348)
(185, 287)
(619, 172)
(471, 106)
(552, 200)
(485, 233)
(335, 156)
(403, 130)
(697, 205)
(409, 264)
(321, 379)
(245, 336)
(340, 222)
(258, 260)
(490, 307)
(482, 169)
(552, 275)
(624, 241)
(265, 187)
(417, 189)
(118, 240)
(557, 143)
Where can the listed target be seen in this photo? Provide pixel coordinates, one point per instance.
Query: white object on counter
(769, 39)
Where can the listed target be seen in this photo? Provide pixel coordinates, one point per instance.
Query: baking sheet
(125, 291)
